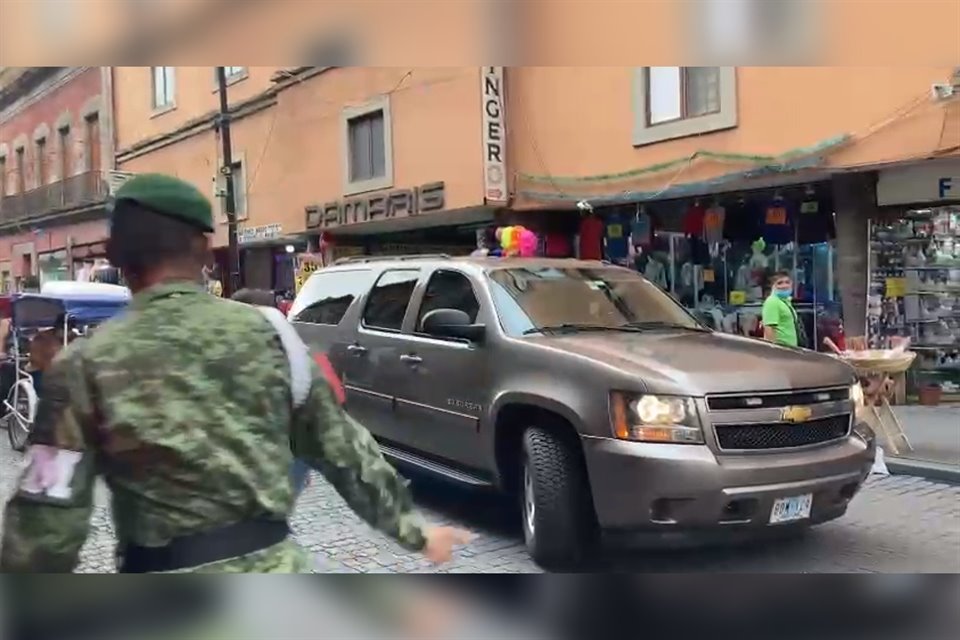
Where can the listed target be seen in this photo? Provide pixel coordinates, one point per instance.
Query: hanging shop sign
(380, 205)
(494, 136)
(306, 265)
(246, 235)
(919, 184)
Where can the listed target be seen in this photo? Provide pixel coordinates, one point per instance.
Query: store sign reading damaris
(380, 205)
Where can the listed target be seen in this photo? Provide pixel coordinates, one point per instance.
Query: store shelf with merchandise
(915, 292)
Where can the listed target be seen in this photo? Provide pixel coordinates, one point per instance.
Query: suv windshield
(533, 299)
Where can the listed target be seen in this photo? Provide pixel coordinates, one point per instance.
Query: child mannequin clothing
(655, 273)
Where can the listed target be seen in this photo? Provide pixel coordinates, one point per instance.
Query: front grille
(739, 437)
(774, 400)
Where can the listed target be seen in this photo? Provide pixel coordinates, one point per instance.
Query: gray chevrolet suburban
(590, 394)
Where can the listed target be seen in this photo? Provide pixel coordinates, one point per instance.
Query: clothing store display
(591, 238)
(815, 222)
(741, 222)
(557, 245)
(616, 237)
(693, 220)
(641, 229)
(777, 226)
(699, 252)
(713, 221)
(655, 272)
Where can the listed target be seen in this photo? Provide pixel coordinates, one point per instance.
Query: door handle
(356, 350)
(411, 359)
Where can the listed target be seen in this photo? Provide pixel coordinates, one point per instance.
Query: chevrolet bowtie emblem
(796, 414)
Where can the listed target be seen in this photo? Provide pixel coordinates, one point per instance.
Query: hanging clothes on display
(741, 222)
(815, 223)
(616, 238)
(656, 272)
(642, 229)
(590, 241)
(778, 219)
(713, 223)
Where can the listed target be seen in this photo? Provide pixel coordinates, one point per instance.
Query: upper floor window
(367, 152)
(66, 151)
(3, 176)
(233, 72)
(164, 89)
(368, 148)
(239, 189)
(21, 170)
(674, 102)
(675, 93)
(41, 161)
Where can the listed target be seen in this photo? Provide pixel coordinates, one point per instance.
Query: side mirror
(452, 323)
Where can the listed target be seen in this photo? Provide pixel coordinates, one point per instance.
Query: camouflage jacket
(183, 405)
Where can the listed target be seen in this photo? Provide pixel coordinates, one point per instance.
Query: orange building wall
(292, 151)
(575, 121)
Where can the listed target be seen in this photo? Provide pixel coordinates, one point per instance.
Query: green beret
(169, 196)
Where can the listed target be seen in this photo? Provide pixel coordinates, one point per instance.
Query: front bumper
(667, 489)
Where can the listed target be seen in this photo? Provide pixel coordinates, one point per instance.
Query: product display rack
(914, 292)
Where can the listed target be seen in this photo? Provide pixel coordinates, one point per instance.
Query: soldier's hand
(442, 540)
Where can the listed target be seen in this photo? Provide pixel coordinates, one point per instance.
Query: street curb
(935, 471)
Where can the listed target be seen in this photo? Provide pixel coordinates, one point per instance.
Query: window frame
(64, 149)
(348, 114)
(238, 74)
(357, 297)
(170, 86)
(418, 318)
(406, 313)
(645, 133)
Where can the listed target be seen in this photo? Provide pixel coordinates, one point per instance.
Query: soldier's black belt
(228, 542)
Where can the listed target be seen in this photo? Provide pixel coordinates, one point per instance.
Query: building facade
(355, 159)
(674, 140)
(55, 154)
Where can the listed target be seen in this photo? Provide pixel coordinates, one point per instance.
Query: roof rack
(366, 259)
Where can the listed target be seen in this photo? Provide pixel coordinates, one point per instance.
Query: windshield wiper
(658, 324)
(575, 327)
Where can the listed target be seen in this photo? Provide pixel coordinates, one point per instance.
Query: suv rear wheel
(558, 520)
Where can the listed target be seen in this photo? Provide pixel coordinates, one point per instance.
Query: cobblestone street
(897, 524)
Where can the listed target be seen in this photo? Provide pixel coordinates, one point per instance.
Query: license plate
(791, 509)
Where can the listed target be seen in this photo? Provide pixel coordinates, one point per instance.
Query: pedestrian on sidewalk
(781, 325)
(189, 407)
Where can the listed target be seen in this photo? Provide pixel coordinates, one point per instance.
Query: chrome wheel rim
(529, 504)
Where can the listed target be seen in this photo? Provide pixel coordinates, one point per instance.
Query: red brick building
(55, 150)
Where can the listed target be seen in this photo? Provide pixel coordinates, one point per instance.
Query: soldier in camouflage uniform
(183, 405)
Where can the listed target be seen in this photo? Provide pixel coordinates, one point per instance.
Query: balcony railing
(76, 191)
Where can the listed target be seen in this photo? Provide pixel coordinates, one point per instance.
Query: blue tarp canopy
(37, 311)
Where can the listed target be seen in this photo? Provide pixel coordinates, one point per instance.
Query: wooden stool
(878, 390)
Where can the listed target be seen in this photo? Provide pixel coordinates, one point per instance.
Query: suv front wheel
(558, 519)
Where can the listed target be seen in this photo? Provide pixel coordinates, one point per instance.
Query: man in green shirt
(779, 317)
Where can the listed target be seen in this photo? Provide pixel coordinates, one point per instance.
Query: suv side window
(326, 297)
(449, 290)
(389, 299)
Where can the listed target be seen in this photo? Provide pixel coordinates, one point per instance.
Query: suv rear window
(326, 297)
(389, 299)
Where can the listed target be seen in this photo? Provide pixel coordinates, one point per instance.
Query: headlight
(649, 418)
(858, 399)
(856, 394)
